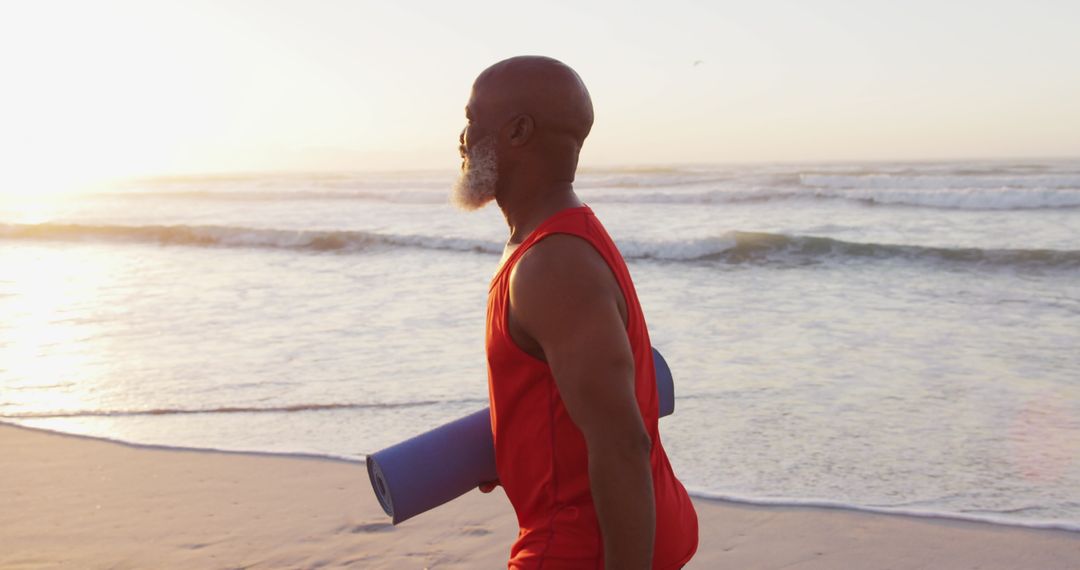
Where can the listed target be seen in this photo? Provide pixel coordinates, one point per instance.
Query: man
(571, 378)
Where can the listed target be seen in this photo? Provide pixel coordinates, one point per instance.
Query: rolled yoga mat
(439, 466)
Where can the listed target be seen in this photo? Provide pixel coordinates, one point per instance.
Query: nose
(461, 137)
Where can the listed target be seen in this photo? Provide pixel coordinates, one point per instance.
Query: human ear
(521, 130)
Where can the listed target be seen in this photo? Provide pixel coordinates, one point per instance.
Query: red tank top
(540, 453)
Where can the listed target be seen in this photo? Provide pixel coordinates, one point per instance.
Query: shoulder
(562, 292)
(562, 261)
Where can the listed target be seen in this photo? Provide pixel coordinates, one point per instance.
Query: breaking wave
(741, 247)
(731, 247)
(228, 236)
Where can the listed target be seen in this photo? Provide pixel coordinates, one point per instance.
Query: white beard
(476, 185)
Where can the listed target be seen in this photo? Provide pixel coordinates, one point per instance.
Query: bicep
(568, 303)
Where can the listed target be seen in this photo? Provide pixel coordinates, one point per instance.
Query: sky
(114, 88)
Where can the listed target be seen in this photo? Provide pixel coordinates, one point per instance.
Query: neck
(526, 205)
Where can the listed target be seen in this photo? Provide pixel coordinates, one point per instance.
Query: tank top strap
(559, 222)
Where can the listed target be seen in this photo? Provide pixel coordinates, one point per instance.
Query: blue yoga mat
(443, 464)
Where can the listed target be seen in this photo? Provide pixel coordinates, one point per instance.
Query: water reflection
(49, 338)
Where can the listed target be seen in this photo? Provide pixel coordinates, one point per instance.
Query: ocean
(898, 337)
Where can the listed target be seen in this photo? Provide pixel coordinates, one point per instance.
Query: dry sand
(76, 502)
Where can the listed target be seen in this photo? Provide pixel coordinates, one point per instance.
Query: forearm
(622, 491)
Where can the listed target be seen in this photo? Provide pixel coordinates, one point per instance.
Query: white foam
(734, 246)
(921, 513)
(345, 240)
(137, 445)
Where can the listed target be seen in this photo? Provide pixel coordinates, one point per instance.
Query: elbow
(632, 447)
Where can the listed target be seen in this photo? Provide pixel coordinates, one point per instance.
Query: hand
(488, 486)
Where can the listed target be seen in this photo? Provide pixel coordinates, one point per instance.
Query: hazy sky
(113, 88)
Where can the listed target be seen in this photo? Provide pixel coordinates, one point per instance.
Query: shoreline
(695, 494)
(78, 501)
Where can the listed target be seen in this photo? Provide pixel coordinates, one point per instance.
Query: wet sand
(75, 502)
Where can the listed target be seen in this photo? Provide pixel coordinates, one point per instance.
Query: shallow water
(876, 335)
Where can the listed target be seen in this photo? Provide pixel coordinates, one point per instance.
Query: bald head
(527, 120)
(543, 91)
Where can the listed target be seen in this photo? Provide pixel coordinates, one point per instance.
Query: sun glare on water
(47, 343)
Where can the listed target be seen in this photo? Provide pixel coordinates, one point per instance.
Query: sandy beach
(77, 502)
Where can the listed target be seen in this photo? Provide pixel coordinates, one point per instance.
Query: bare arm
(563, 296)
